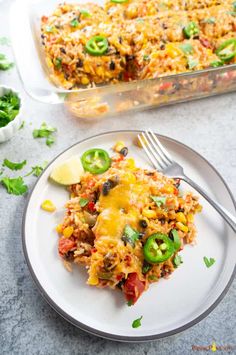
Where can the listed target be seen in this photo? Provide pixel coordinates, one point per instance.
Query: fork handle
(228, 217)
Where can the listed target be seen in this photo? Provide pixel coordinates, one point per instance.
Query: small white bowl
(12, 127)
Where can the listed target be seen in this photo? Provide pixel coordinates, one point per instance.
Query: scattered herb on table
(14, 166)
(9, 108)
(22, 125)
(4, 41)
(4, 62)
(159, 200)
(208, 261)
(137, 322)
(45, 131)
(37, 169)
(15, 186)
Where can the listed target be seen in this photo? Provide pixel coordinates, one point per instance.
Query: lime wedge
(69, 172)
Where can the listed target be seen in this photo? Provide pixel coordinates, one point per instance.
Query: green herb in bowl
(9, 108)
(10, 112)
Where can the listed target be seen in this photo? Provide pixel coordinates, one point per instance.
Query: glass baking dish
(106, 99)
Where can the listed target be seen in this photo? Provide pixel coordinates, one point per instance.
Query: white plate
(169, 306)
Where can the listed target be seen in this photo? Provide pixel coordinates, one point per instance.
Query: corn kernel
(48, 206)
(169, 189)
(149, 213)
(190, 218)
(128, 178)
(118, 146)
(173, 50)
(68, 231)
(84, 80)
(182, 227)
(100, 71)
(181, 217)
(59, 228)
(198, 208)
(93, 280)
(130, 163)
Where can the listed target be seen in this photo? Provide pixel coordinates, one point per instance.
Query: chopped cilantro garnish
(146, 267)
(187, 48)
(14, 166)
(152, 277)
(85, 13)
(9, 108)
(177, 260)
(14, 186)
(45, 131)
(208, 262)
(210, 20)
(50, 29)
(146, 57)
(130, 235)
(192, 63)
(83, 202)
(4, 62)
(4, 41)
(159, 200)
(74, 23)
(137, 322)
(58, 62)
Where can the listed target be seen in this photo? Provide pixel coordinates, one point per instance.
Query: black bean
(180, 210)
(112, 65)
(124, 151)
(43, 36)
(129, 58)
(162, 220)
(162, 46)
(141, 235)
(43, 43)
(120, 284)
(79, 63)
(120, 40)
(107, 186)
(143, 223)
(164, 26)
(63, 50)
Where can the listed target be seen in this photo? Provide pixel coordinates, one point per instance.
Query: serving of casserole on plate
(125, 227)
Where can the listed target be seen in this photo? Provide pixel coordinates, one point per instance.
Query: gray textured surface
(27, 324)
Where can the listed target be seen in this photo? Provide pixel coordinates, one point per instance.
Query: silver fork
(162, 161)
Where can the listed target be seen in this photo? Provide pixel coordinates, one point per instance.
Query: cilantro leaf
(130, 235)
(45, 131)
(37, 169)
(208, 262)
(159, 200)
(14, 166)
(137, 322)
(83, 202)
(22, 125)
(192, 63)
(187, 48)
(85, 13)
(4, 62)
(146, 267)
(74, 23)
(152, 278)
(14, 186)
(130, 303)
(210, 20)
(177, 260)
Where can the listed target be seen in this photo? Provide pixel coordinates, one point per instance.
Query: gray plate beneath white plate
(167, 307)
